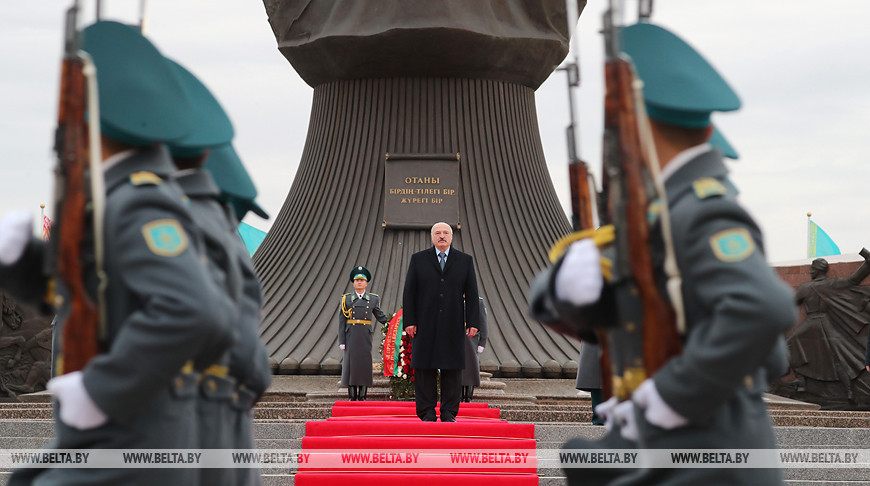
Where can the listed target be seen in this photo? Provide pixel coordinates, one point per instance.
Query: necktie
(442, 258)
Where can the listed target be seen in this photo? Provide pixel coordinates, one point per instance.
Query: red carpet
(409, 412)
(384, 443)
(398, 479)
(385, 403)
(376, 428)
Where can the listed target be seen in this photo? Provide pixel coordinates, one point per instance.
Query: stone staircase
(280, 423)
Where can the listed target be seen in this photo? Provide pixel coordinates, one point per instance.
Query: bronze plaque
(421, 190)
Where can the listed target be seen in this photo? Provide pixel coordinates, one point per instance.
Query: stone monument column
(423, 111)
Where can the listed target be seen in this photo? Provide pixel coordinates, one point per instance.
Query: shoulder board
(145, 178)
(376, 295)
(707, 187)
(732, 187)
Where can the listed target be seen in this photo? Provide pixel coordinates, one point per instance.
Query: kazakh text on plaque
(421, 190)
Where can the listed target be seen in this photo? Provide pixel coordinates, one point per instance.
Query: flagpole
(809, 215)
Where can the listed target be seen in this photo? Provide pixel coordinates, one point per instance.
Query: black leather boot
(351, 392)
(469, 394)
(361, 393)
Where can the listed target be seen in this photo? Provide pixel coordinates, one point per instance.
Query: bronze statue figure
(826, 350)
(25, 349)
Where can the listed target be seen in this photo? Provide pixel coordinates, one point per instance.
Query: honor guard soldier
(474, 345)
(249, 360)
(163, 309)
(709, 396)
(355, 329)
(589, 367)
(217, 223)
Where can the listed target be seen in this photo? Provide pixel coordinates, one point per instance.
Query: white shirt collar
(113, 160)
(683, 158)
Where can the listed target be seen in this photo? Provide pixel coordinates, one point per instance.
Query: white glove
(623, 414)
(15, 232)
(657, 411)
(605, 411)
(77, 409)
(479, 349)
(341, 347)
(579, 280)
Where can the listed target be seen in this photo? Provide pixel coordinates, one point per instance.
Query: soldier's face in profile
(360, 285)
(442, 236)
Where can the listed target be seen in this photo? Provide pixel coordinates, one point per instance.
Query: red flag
(46, 228)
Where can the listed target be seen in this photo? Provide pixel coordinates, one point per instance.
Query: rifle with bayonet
(648, 328)
(582, 185)
(78, 199)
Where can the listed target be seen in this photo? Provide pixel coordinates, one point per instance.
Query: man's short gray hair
(432, 230)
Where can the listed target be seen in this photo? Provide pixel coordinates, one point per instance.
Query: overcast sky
(801, 69)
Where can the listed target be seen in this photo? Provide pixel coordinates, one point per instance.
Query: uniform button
(442, 280)
(748, 381)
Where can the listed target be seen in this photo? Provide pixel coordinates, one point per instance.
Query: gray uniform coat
(164, 310)
(471, 373)
(216, 388)
(249, 362)
(736, 311)
(356, 367)
(437, 302)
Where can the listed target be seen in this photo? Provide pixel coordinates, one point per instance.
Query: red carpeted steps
(384, 443)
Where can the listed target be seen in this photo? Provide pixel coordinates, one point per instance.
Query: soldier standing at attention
(710, 395)
(164, 311)
(355, 329)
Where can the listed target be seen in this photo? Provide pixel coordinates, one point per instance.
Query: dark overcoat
(437, 302)
(589, 367)
(471, 373)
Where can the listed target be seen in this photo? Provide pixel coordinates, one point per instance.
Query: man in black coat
(440, 290)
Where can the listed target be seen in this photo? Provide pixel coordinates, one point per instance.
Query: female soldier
(355, 330)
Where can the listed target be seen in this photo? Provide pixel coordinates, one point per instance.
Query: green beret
(236, 186)
(720, 142)
(142, 101)
(679, 86)
(241, 207)
(212, 125)
(360, 272)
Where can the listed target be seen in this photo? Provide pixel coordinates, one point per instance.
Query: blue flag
(251, 236)
(819, 244)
